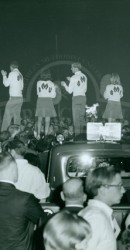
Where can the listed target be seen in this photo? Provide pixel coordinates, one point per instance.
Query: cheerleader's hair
(115, 79)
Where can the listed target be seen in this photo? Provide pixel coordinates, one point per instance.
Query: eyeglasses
(114, 185)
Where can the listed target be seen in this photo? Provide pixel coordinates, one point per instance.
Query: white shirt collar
(6, 181)
(101, 205)
(74, 205)
(15, 69)
(78, 72)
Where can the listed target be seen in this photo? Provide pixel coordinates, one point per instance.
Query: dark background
(96, 33)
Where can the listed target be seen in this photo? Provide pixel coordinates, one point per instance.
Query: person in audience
(4, 136)
(125, 134)
(113, 93)
(66, 231)
(4, 139)
(124, 241)
(104, 185)
(77, 87)
(127, 221)
(73, 195)
(30, 178)
(20, 212)
(13, 107)
(14, 130)
(46, 91)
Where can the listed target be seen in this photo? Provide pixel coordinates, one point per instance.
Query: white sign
(97, 131)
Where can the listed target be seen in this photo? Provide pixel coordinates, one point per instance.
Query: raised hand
(63, 83)
(4, 73)
(68, 78)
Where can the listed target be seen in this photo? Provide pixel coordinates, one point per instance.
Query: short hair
(14, 64)
(5, 160)
(73, 188)
(76, 65)
(64, 230)
(45, 75)
(98, 176)
(4, 135)
(18, 146)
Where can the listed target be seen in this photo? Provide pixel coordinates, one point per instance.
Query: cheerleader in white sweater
(113, 94)
(45, 107)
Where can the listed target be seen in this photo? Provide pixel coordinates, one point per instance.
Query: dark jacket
(19, 212)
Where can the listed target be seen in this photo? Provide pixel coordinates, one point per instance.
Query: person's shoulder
(50, 82)
(11, 74)
(73, 77)
(20, 194)
(39, 82)
(82, 74)
(35, 169)
(93, 213)
(109, 86)
(120, 86)
(23, 196)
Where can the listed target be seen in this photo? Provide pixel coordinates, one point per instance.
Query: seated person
(66, 231)
(124, 244)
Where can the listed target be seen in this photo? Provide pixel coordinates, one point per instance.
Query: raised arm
(6, 80)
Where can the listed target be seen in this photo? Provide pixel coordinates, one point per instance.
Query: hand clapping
(4, 73)
(68, 78)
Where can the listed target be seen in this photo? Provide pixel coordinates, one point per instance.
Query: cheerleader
(78, 88)
(46, 90)
(113, 93)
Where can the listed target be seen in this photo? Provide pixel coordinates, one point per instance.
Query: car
(73, 159)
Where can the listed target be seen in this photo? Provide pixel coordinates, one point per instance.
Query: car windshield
(78, 166)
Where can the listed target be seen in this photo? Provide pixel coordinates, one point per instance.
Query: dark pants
(78, 111)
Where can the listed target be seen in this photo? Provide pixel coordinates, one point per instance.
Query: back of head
(115, 79)
(45, 75)
(66, 231)
(18, 146)
(14, 64)
(73, 190)
(99, 176)
(76, 65)
(8, 167)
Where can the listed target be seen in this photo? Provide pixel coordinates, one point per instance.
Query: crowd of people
(86, 221)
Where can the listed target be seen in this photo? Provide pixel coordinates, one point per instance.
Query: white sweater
(113, 92)
(15, 83)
